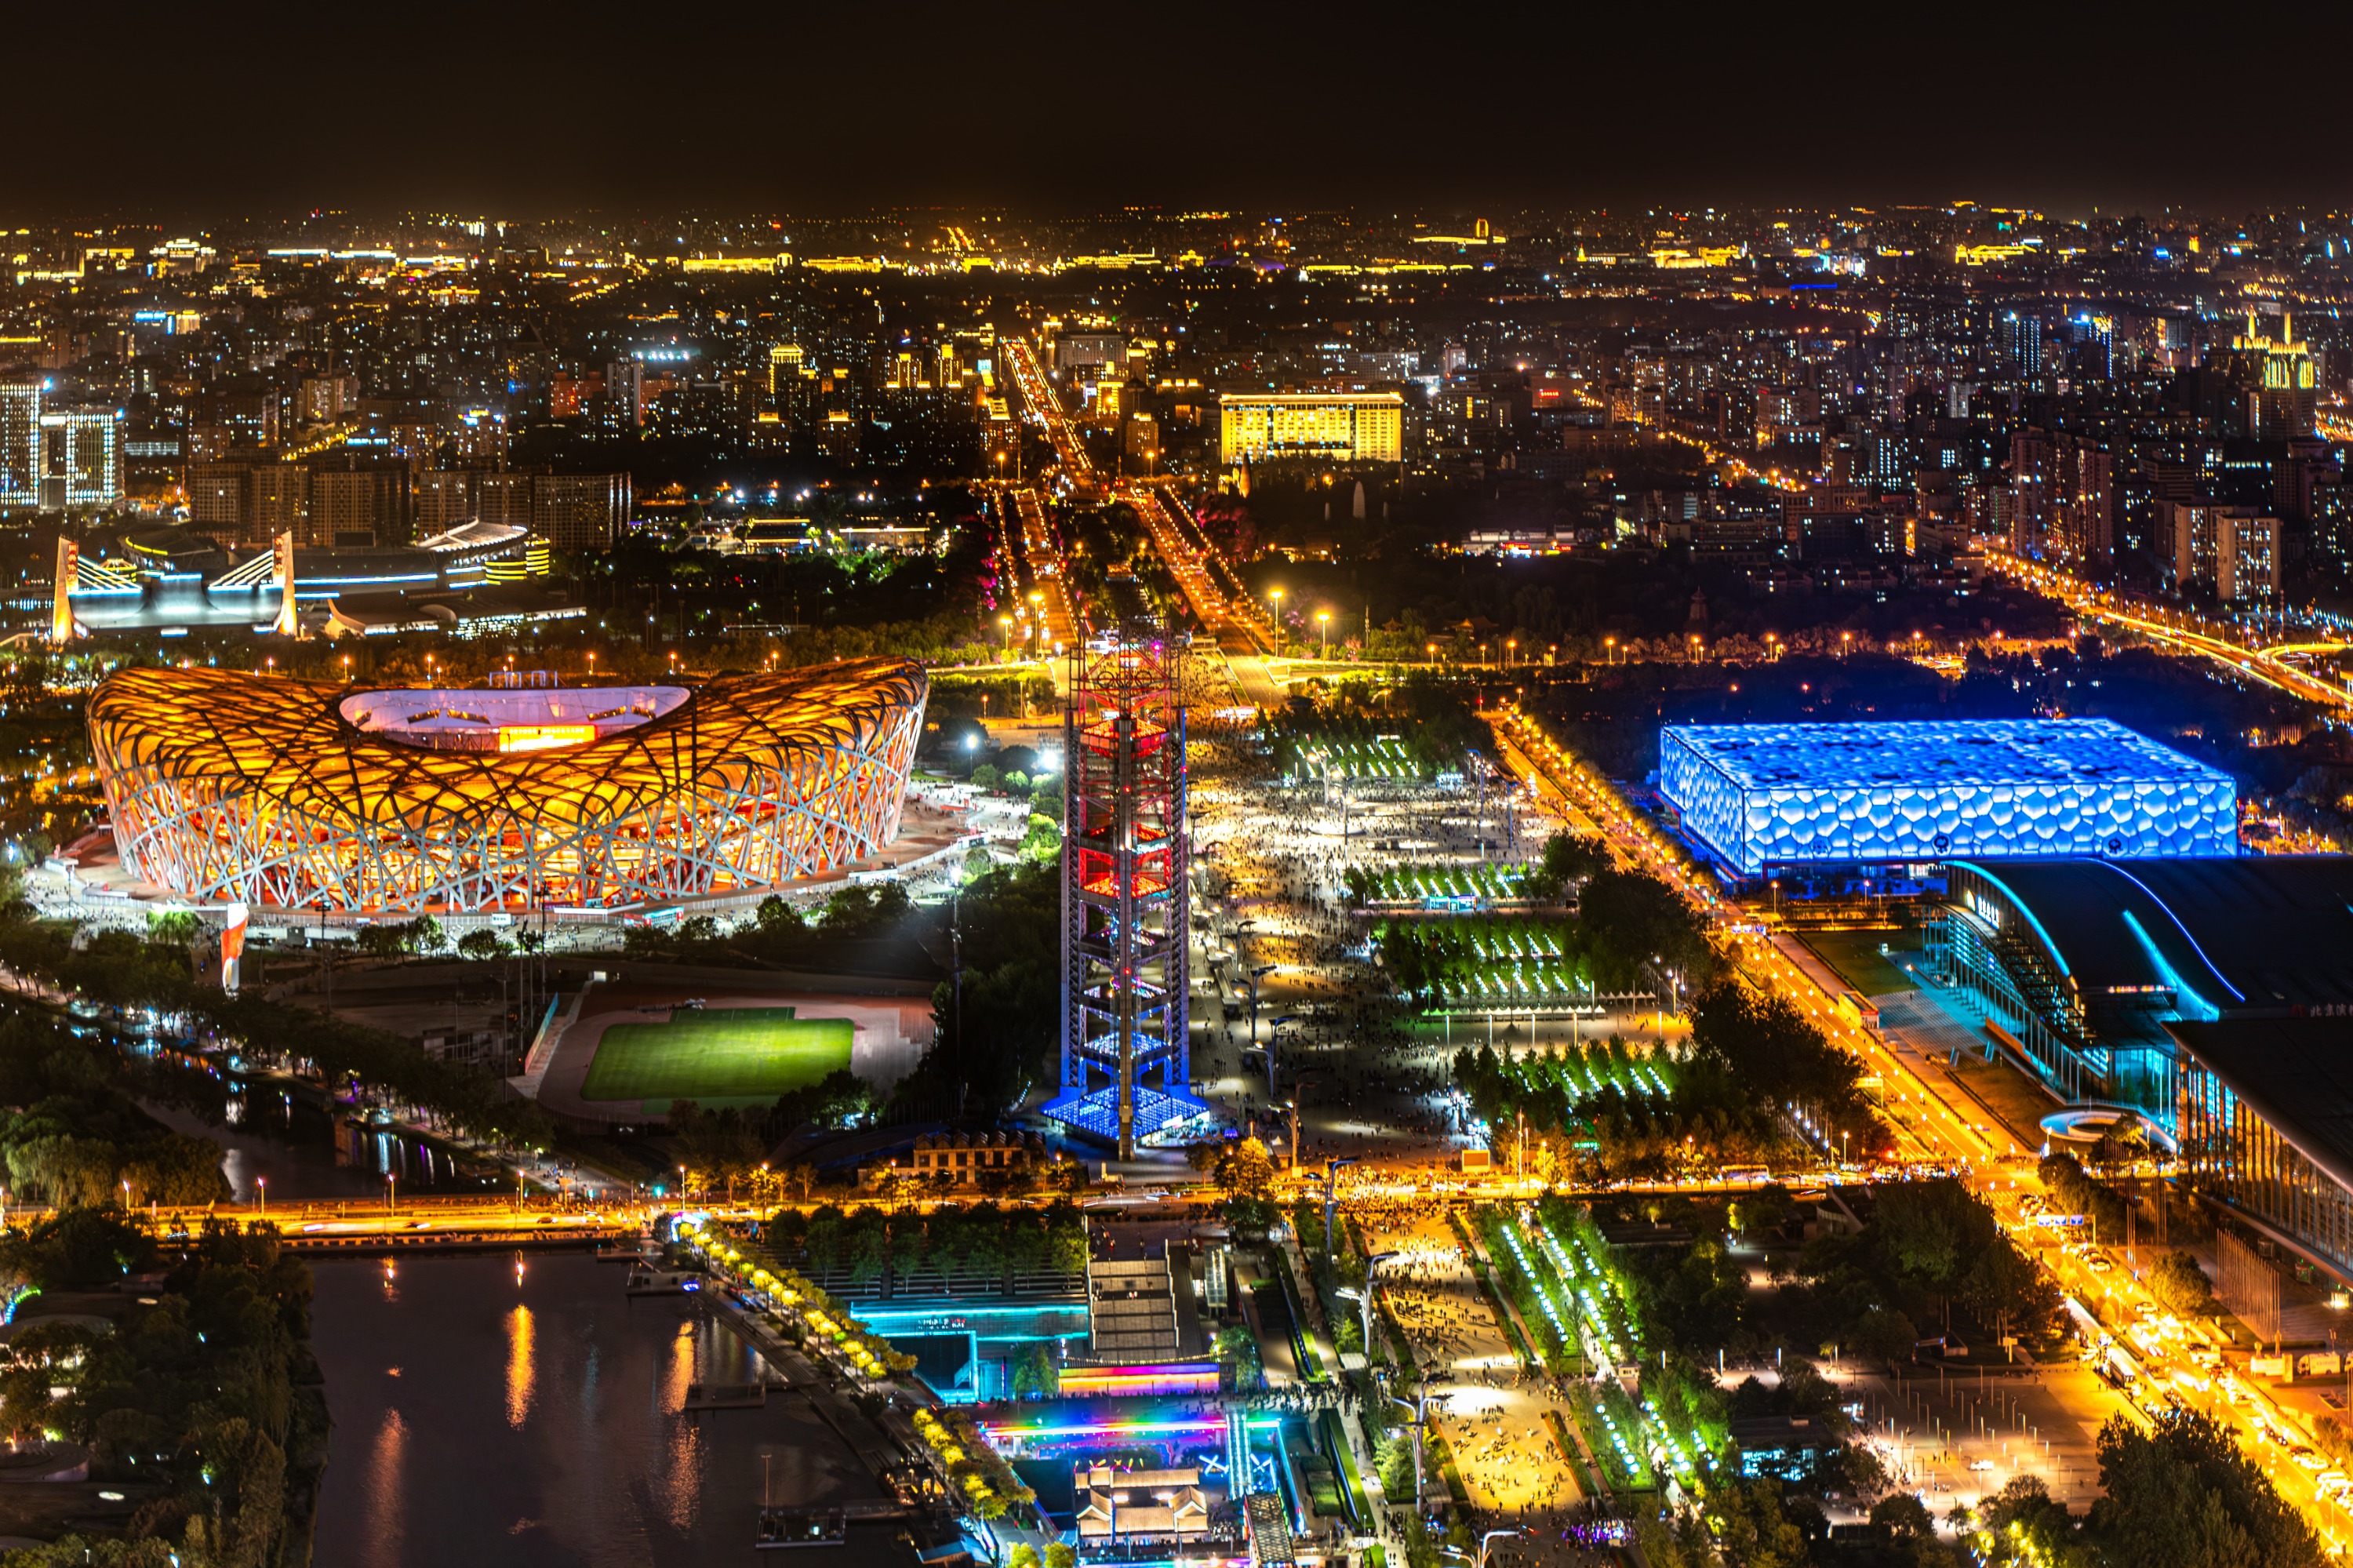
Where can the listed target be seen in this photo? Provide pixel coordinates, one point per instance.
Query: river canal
(520, 1409)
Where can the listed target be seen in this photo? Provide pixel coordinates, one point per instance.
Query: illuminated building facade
(2286, 381)
(2232, 552)
(1126, 864)
(1336, 428)
(81, 457)
(295, 794)
(2210, 1000)
(1756, 797)
(20, 443)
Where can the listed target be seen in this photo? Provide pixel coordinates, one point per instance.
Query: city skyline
(1237, 785)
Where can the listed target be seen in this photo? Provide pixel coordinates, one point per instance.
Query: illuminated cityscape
(1267, 792)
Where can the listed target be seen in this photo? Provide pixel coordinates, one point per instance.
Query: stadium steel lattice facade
(1755, 796)
(295, 794)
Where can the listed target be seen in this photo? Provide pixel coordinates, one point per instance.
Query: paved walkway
(1490, 1411)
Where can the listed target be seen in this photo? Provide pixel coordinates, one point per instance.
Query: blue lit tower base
(1125, 857)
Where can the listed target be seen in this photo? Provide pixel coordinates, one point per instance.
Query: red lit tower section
(1124, 863)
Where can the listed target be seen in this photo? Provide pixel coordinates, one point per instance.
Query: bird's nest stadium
(300, 795)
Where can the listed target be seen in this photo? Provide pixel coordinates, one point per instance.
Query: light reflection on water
(535, 1418)
(302, 1153)
(520, 1372)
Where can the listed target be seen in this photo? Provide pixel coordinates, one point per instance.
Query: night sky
(1059, 110)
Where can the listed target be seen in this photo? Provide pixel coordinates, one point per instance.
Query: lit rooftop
(1754, 796)
(1963, 751)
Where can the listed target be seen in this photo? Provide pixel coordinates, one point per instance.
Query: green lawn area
(716, 1055)
(1855, 956)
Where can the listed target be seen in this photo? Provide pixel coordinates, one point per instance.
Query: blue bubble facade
(1765, 795)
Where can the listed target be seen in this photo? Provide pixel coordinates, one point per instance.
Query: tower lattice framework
(1125, 863)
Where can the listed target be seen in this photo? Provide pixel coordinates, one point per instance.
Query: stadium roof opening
(1758, 796)
(470, 719)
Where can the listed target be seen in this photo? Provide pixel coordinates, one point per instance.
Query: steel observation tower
(1127, 857)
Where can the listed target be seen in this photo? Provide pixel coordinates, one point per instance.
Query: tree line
(1758, 1074)
(124, 970)
(205, 1388)
(983, 1237)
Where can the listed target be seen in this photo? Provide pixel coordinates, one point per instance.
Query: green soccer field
(716, 1055)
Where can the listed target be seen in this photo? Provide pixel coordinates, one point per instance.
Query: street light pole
(1416, 1407)
(1331, 1197)
(1366, 1301)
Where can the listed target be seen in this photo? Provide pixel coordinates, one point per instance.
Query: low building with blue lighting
(1789, 1447)
(2209, 1000)
(1757, 799)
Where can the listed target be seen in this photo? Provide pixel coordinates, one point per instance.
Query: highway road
(1038, 396)
(2269, 663)
(1941, 1123)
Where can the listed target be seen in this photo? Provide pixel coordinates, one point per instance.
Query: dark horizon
(1065, 110)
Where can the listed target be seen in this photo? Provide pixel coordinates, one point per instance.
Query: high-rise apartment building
(2021, 342)
(443, 500)
(579, 511)
(358, 506)
(2084, 515)
(478, 435)
(624, 385)
(2233, 551)
(322, 399)
(2032, 481)
(219, 494)
(278, 502)
(786, 365)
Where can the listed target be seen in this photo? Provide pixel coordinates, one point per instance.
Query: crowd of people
(1371, 1073)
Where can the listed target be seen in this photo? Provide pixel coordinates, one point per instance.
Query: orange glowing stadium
(294, 794)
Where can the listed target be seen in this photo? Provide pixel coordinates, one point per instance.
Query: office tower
(81, 457)
(20, 443)
(1332, 428)
(2285, 379)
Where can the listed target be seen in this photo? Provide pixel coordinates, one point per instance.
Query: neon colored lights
(1189, 1377)
(1755, 796)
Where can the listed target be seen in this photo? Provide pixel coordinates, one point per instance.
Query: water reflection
(387, 1506)
(544, 1414)
(301, 1153)
(519, 1369)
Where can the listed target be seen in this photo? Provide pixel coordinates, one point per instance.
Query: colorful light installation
(1758, 796)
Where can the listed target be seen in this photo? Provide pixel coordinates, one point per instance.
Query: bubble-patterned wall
(1757, 796)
